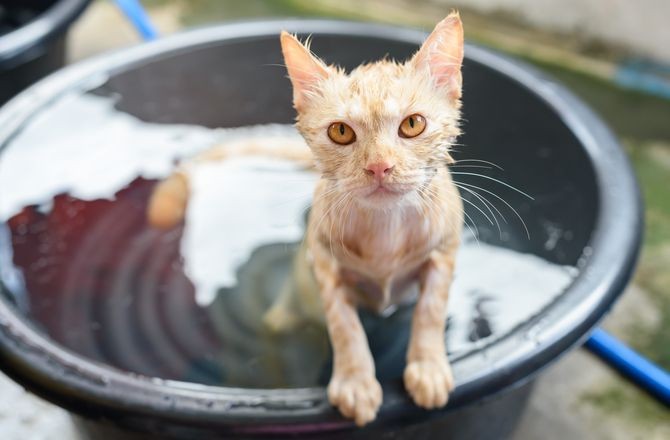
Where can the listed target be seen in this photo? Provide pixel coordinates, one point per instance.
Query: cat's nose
(379, 169)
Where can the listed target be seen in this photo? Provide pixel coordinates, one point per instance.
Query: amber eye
(412, 126)
(341, 133)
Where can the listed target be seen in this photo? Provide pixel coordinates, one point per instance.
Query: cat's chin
(383, 197)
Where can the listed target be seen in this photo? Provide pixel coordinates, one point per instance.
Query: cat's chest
(386, 246)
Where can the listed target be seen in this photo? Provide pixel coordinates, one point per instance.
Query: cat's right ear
(304, 69)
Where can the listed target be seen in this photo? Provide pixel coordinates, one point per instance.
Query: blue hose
(644, 76)
(638, 369)
(138, 17)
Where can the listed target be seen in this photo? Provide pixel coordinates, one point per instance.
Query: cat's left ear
(304, 69)
(442, 54)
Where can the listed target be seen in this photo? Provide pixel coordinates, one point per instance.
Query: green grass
(654, 178)
(199, 12)
(653, 341)
(653, 274)
(626, 401)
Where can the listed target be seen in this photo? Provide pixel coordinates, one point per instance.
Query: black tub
(98, 316)
(32, 40)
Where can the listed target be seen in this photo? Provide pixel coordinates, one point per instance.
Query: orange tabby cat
(385, 214)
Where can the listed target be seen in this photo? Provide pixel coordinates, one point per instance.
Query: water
(80, 261)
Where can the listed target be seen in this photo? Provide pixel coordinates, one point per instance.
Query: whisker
(321, 196)
(476, 235)
(432, 191)
(309, 197)
(326, 213)
(484, 199)
(429, 205)
(495, 180)
(470, 166)
(484, 203)
(502, 200)
(332, 223)
(348, 213)
(482, 161)
(478, 209)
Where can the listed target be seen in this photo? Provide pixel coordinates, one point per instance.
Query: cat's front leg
(427, 376)
(353, 387)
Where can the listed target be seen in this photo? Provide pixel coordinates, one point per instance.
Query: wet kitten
(385, 213)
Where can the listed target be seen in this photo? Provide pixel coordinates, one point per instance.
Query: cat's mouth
(380, 190)
(385, 190)
(384, 195)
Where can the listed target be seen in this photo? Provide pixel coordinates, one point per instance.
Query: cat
(385, 213)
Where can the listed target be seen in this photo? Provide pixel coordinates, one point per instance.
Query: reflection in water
(81, 262)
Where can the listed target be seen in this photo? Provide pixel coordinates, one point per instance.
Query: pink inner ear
(444, 70)
(304, 69)
(443, 53)
(447, 72)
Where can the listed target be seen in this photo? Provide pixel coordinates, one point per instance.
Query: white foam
(517, 286)
(83, 146)
(236, 206)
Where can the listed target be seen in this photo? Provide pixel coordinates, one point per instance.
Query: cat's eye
(412, 126)
(341, 133)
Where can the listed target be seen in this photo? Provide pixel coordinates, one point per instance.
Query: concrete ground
(578, 397)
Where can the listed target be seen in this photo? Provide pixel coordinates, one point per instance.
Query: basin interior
(16, 13)
(78, 260)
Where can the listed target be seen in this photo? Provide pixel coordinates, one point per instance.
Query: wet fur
(365, 249)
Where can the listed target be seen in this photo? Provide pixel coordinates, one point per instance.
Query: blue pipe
(637, 368)
(644, 76)
(138, 17)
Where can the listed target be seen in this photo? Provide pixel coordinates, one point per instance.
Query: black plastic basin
(98, 312)
(32, 40)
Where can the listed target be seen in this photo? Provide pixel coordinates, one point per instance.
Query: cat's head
(382, 131)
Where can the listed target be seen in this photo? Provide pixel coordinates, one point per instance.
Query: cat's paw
(429, 382)
(357, 396)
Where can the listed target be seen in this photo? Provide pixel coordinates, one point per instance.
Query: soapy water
(78, 258)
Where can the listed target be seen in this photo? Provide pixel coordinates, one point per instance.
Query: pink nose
(379, 169)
